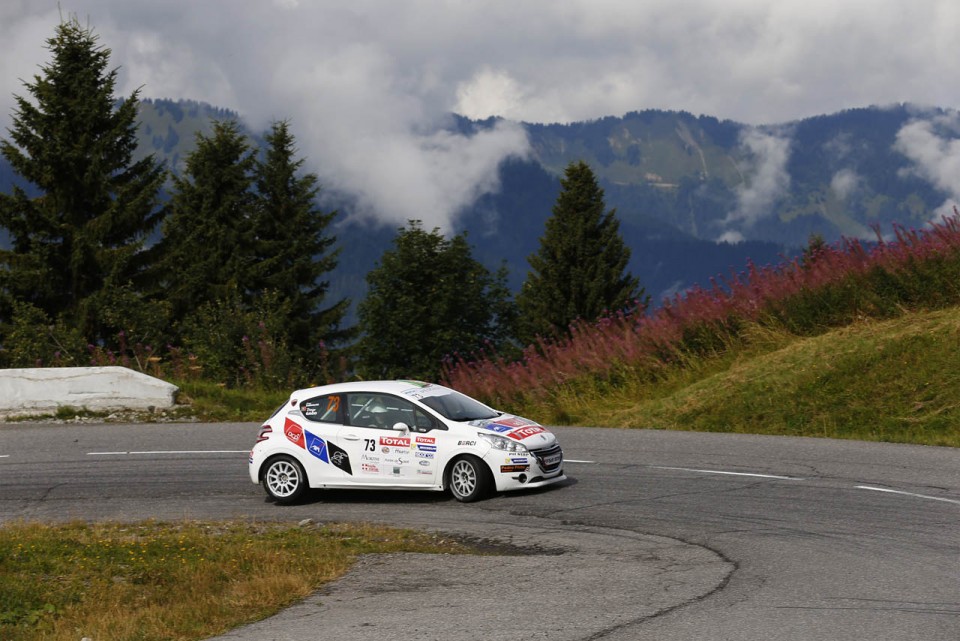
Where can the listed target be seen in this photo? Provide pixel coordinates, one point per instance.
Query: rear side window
(324, 409)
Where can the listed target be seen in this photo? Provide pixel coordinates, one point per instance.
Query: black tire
(284, 479)
(468, 479)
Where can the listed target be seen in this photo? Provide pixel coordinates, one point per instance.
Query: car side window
(324, 409)
(383, 411)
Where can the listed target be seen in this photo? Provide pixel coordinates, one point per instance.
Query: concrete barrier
(43, 390)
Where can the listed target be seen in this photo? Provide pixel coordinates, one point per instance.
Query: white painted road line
(919, 496)
(170, 452)
(750, 474)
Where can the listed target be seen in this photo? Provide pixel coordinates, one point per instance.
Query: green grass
(214, 402)
(118, 582)
(894, 381)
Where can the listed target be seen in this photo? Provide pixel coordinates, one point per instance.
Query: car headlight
(503, 444)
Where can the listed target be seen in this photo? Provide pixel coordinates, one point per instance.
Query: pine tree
(207, 247)
(428, 299)
(292, 249)
(579, 270)
(77, 249)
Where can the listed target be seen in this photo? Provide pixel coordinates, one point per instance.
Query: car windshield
(458, 407)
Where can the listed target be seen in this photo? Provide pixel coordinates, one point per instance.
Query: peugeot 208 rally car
(399, 435)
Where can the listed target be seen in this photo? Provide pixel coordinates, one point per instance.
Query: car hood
(533, 435)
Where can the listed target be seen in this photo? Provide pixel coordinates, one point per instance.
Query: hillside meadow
(846, 341)
(893, 381)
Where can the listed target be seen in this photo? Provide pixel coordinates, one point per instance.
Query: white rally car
(399, 435)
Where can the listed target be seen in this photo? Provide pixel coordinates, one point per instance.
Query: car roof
(389, 387)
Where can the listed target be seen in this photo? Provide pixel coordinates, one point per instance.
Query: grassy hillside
(846, 341)
(894, 380)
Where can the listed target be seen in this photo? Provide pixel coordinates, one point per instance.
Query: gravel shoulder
(575, 582)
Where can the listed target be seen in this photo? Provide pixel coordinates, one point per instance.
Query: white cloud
(932, 146)
(490, 93)
(844, 183)
(767, 177)
(371, 76)
(731, 237)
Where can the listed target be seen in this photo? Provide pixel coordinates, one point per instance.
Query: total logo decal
(524, 432)
(395, 441)
(427, 440)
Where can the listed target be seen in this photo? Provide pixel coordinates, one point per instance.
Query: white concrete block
(41, 390)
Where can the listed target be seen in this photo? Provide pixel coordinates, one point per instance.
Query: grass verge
(182, 581)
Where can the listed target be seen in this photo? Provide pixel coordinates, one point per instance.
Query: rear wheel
(284, 479)
(468, 479)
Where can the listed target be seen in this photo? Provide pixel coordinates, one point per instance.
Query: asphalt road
(657, 535)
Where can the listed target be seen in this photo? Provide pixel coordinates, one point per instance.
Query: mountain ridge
(681, 185)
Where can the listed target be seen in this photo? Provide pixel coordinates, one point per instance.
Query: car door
(383, 455)
(317, 433)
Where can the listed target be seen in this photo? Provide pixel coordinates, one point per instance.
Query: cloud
(380, 77)
(731, 237)
(931, 144)
(767, 179)
(844, 183)
(490, 93)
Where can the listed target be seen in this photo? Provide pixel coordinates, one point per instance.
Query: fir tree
(579, 270)
(428, 299)
(77, 249)
(207, 246)
(292, 249)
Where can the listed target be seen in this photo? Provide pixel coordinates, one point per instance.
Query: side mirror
(401, 427)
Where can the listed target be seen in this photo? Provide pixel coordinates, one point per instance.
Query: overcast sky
(364, 82)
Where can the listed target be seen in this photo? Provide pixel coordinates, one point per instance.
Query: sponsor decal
(419, 389)
(524, 432)
(294, 433)
(396, 471)
(424, 454)
(425, 463)
(467, 443)
(340, 458)
(427, 448)
(507, 469)
(424, 472)
(369, 468)
(385, 450)
(370, 459)
(518, 461)
(515, 421)
(497, 427)
(317, 446)
(419, 384)
(426, 439)
(395, 441)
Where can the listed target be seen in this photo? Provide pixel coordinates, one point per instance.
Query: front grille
(553, 454)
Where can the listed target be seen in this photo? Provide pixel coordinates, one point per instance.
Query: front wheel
(284, 479)
(468, 479)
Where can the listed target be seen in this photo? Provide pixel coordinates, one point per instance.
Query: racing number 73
(369, 445)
